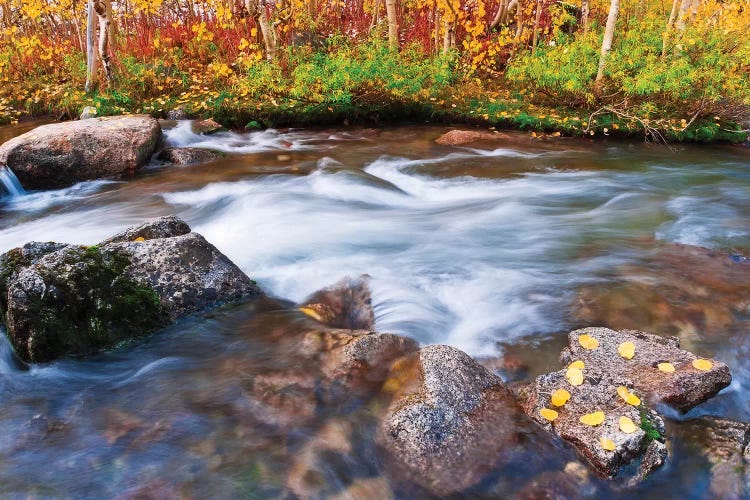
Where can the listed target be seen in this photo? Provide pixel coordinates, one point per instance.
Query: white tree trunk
(91, 57)
(390, 10)
(670, 26)
(103, 8)
(609, 33)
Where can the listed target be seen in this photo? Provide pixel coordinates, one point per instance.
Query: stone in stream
(463, 137)
(206, 127)
(69, 299)
(347, 304)
(188, 156)
(60, 154)
(451, 423)
(658, 372)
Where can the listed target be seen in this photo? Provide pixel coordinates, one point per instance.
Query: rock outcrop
(603, 403)
(61, 154)
(451, 423)
(188, 156)
(68, 299)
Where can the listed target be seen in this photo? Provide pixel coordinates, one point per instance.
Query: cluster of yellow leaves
(202, 33)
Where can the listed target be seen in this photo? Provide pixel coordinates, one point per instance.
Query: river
(489, 248)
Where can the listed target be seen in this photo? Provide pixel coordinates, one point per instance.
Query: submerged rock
(726, 446)
(605, 383)
(188, 156)
(68, 299)
(462, 137)
(678, 289)
(347, 304)
(61, 154)
(451, 424)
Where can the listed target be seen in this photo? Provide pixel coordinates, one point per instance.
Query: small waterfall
(9, 183)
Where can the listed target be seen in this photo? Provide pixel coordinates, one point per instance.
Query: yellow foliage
(593, 419)
(560, 397)
(548, 414)
(574, 376)
(588, 342)
(702, 364)
(627, 426)
(666, 367)
(626, 349)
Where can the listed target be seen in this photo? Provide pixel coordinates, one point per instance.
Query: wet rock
(61, 154)
(88, 112)
(59, 300)
(206, 127)
(726, 445)
(347, 304)
(168, 226)
(605, 370)
(678, 289)
(452, 424)
(188, 156)
(462, 137)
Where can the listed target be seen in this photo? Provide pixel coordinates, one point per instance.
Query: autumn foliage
(498, 58)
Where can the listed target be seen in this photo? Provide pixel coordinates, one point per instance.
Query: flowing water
(497, 249)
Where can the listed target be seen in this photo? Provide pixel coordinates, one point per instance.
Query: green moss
(652, 433)
(10, 263)
(90, 305)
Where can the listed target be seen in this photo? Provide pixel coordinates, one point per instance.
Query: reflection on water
(490, 248)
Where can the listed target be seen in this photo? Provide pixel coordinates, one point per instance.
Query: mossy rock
(60, 300)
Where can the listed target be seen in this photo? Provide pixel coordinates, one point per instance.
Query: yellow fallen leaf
(588, 342)
(626, 350)
(665, 367)
(607, 443)
(139, 239)
(702, 364)
(593, 419)
(577, 364)
(312, 313)
(628, 396)
(548, 414)
(627, 426)
(560, 397)
(574, 376)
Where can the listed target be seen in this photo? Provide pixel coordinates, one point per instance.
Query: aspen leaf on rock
(577, 364)
(702, 364)
(665, 367)
(607, 444)
(627, 426)
(574, 376)
(593, 419)
(548, 414)
(628, 396)
(560, 397)
(626, 350)
(139, 239)
(588, 342)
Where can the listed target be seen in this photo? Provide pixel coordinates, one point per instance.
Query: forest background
(676, 70)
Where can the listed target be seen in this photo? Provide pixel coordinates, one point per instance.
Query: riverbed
(496, 248)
